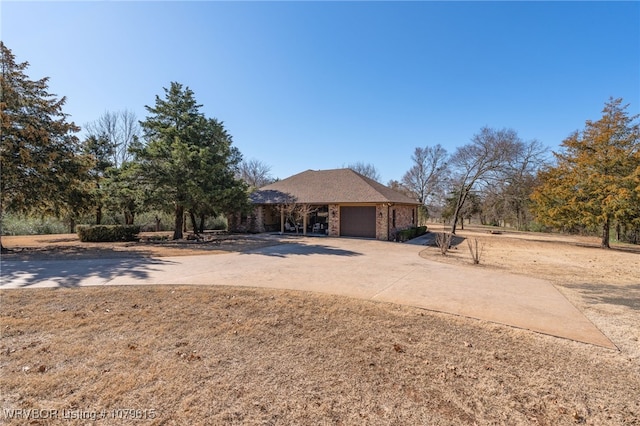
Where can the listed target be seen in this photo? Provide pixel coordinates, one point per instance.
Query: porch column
(281, 220)
(304, 220)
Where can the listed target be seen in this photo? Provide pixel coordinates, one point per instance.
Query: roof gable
(328, 187)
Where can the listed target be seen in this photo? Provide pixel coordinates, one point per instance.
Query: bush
(217, 223)
(409, 233)
(476, 250)
(108, 233)
(443, 241)
(149, 220)
(537, 227)
(13, 224)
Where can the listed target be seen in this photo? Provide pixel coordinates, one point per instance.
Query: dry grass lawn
(219, 355)
(603, 284)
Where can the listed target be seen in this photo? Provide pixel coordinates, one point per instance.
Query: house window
(393, 220)
(413, 216)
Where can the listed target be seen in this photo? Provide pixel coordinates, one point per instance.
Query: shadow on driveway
(298, 249)
(429, 239)
(74, 272)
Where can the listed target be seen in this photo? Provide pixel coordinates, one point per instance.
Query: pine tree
(100, 150)
(188, 159)
(595, 181)
(41, 168)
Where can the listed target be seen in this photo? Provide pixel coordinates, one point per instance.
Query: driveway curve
(358, 268)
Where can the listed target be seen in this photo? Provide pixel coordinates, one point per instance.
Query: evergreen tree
(188, 159)
(597, 177)
(217, 186)
(124, 191)
(100, 150)
(41, 166)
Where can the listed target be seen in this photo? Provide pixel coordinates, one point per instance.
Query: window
(393, 221)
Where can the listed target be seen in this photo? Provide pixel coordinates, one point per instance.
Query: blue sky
(316, 85)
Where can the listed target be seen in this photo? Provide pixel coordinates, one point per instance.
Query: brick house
(337, 203)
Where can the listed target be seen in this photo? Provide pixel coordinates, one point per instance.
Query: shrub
(108, 233)
(404, 235)
(31, 225)
(154, 220)
(443, 241)
(475, 250)
(409, 233)
(537, 227)
(218, 223)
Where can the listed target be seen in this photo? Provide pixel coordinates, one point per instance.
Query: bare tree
(295, 213)
(121, 129)
(255, 173)
(519, 180)
(427, 172)
(366, 170)
(399, 187)
(482, 161)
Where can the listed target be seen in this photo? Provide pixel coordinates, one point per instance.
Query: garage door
(358, 222)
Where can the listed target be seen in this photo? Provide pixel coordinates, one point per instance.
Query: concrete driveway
(358, 268)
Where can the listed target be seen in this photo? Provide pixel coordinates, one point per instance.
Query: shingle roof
(328, 187)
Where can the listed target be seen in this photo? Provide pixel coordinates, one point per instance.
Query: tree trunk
(203, 218)
(605, 234)
(98, 215)
(72, 225)
(157, 223)
(128, 217)
(456, 213)
(177, 229)
(194, 224)
(461, 198)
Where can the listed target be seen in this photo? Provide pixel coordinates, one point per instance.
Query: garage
(358, 221)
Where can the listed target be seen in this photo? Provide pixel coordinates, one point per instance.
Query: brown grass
(217, 355)
(224, 355)
(603, 284)
(57, 246)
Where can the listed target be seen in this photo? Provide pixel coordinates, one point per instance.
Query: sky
(319, 85)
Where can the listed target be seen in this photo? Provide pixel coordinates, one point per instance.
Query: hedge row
(108, 233)
(409, 233)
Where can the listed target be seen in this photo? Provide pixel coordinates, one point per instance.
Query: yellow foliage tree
(596, 180)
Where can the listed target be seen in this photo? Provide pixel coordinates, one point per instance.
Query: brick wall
(334, 220)
(405, 218)
(382, 222)
(252, 222)
(258, 219)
